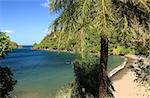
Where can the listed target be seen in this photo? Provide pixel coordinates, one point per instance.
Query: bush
(7, 82)
(142, 72)
(66, 91)
(120, 50)
(141, 50)
(86, 73)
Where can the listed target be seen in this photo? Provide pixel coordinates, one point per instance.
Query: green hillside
(119, 44)
(6, 44)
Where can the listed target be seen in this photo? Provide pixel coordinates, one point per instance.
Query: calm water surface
(41, 73)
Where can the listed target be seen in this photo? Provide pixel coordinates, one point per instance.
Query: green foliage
(142, 72)
(4, 44)
(122, 20)
(86, 71)
(141, 50)
(67, 91)
(14, 45)
(50, 42)
(120, 50)
(79, 26)
(7, 82)
(116, 46)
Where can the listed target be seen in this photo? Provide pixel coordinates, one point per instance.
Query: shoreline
(123, 80)
(110, 74)
(55, 50)
(118, 68)
(127, 58)
(124, 84)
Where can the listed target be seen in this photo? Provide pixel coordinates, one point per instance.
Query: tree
(105, 17)
(4, 44)
(7, 82)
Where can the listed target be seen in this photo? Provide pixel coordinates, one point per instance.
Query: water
(41, 73)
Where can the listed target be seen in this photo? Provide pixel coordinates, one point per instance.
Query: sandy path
(125, 86)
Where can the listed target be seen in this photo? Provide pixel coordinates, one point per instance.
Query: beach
(125, 87)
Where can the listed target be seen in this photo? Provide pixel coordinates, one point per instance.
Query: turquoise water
(41, 73)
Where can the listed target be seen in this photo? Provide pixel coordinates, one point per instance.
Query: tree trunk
(103, 87)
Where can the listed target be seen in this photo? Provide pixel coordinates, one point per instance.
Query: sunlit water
(41, 73)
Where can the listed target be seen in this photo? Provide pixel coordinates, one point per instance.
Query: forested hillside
(119, 43)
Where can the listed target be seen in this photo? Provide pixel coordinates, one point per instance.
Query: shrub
(120, 50)
(66, 91)
(7, 82)
(141, 50)
(142, 72)
(86, 73)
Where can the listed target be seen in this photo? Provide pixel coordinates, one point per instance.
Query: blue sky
(26, 21)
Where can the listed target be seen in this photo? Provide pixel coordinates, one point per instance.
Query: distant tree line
(119, 43)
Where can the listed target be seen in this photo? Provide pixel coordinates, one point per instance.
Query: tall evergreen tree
(105, 17)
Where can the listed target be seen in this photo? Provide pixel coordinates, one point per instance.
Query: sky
(26, 21)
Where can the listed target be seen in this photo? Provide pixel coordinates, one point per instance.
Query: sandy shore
(125, 86)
